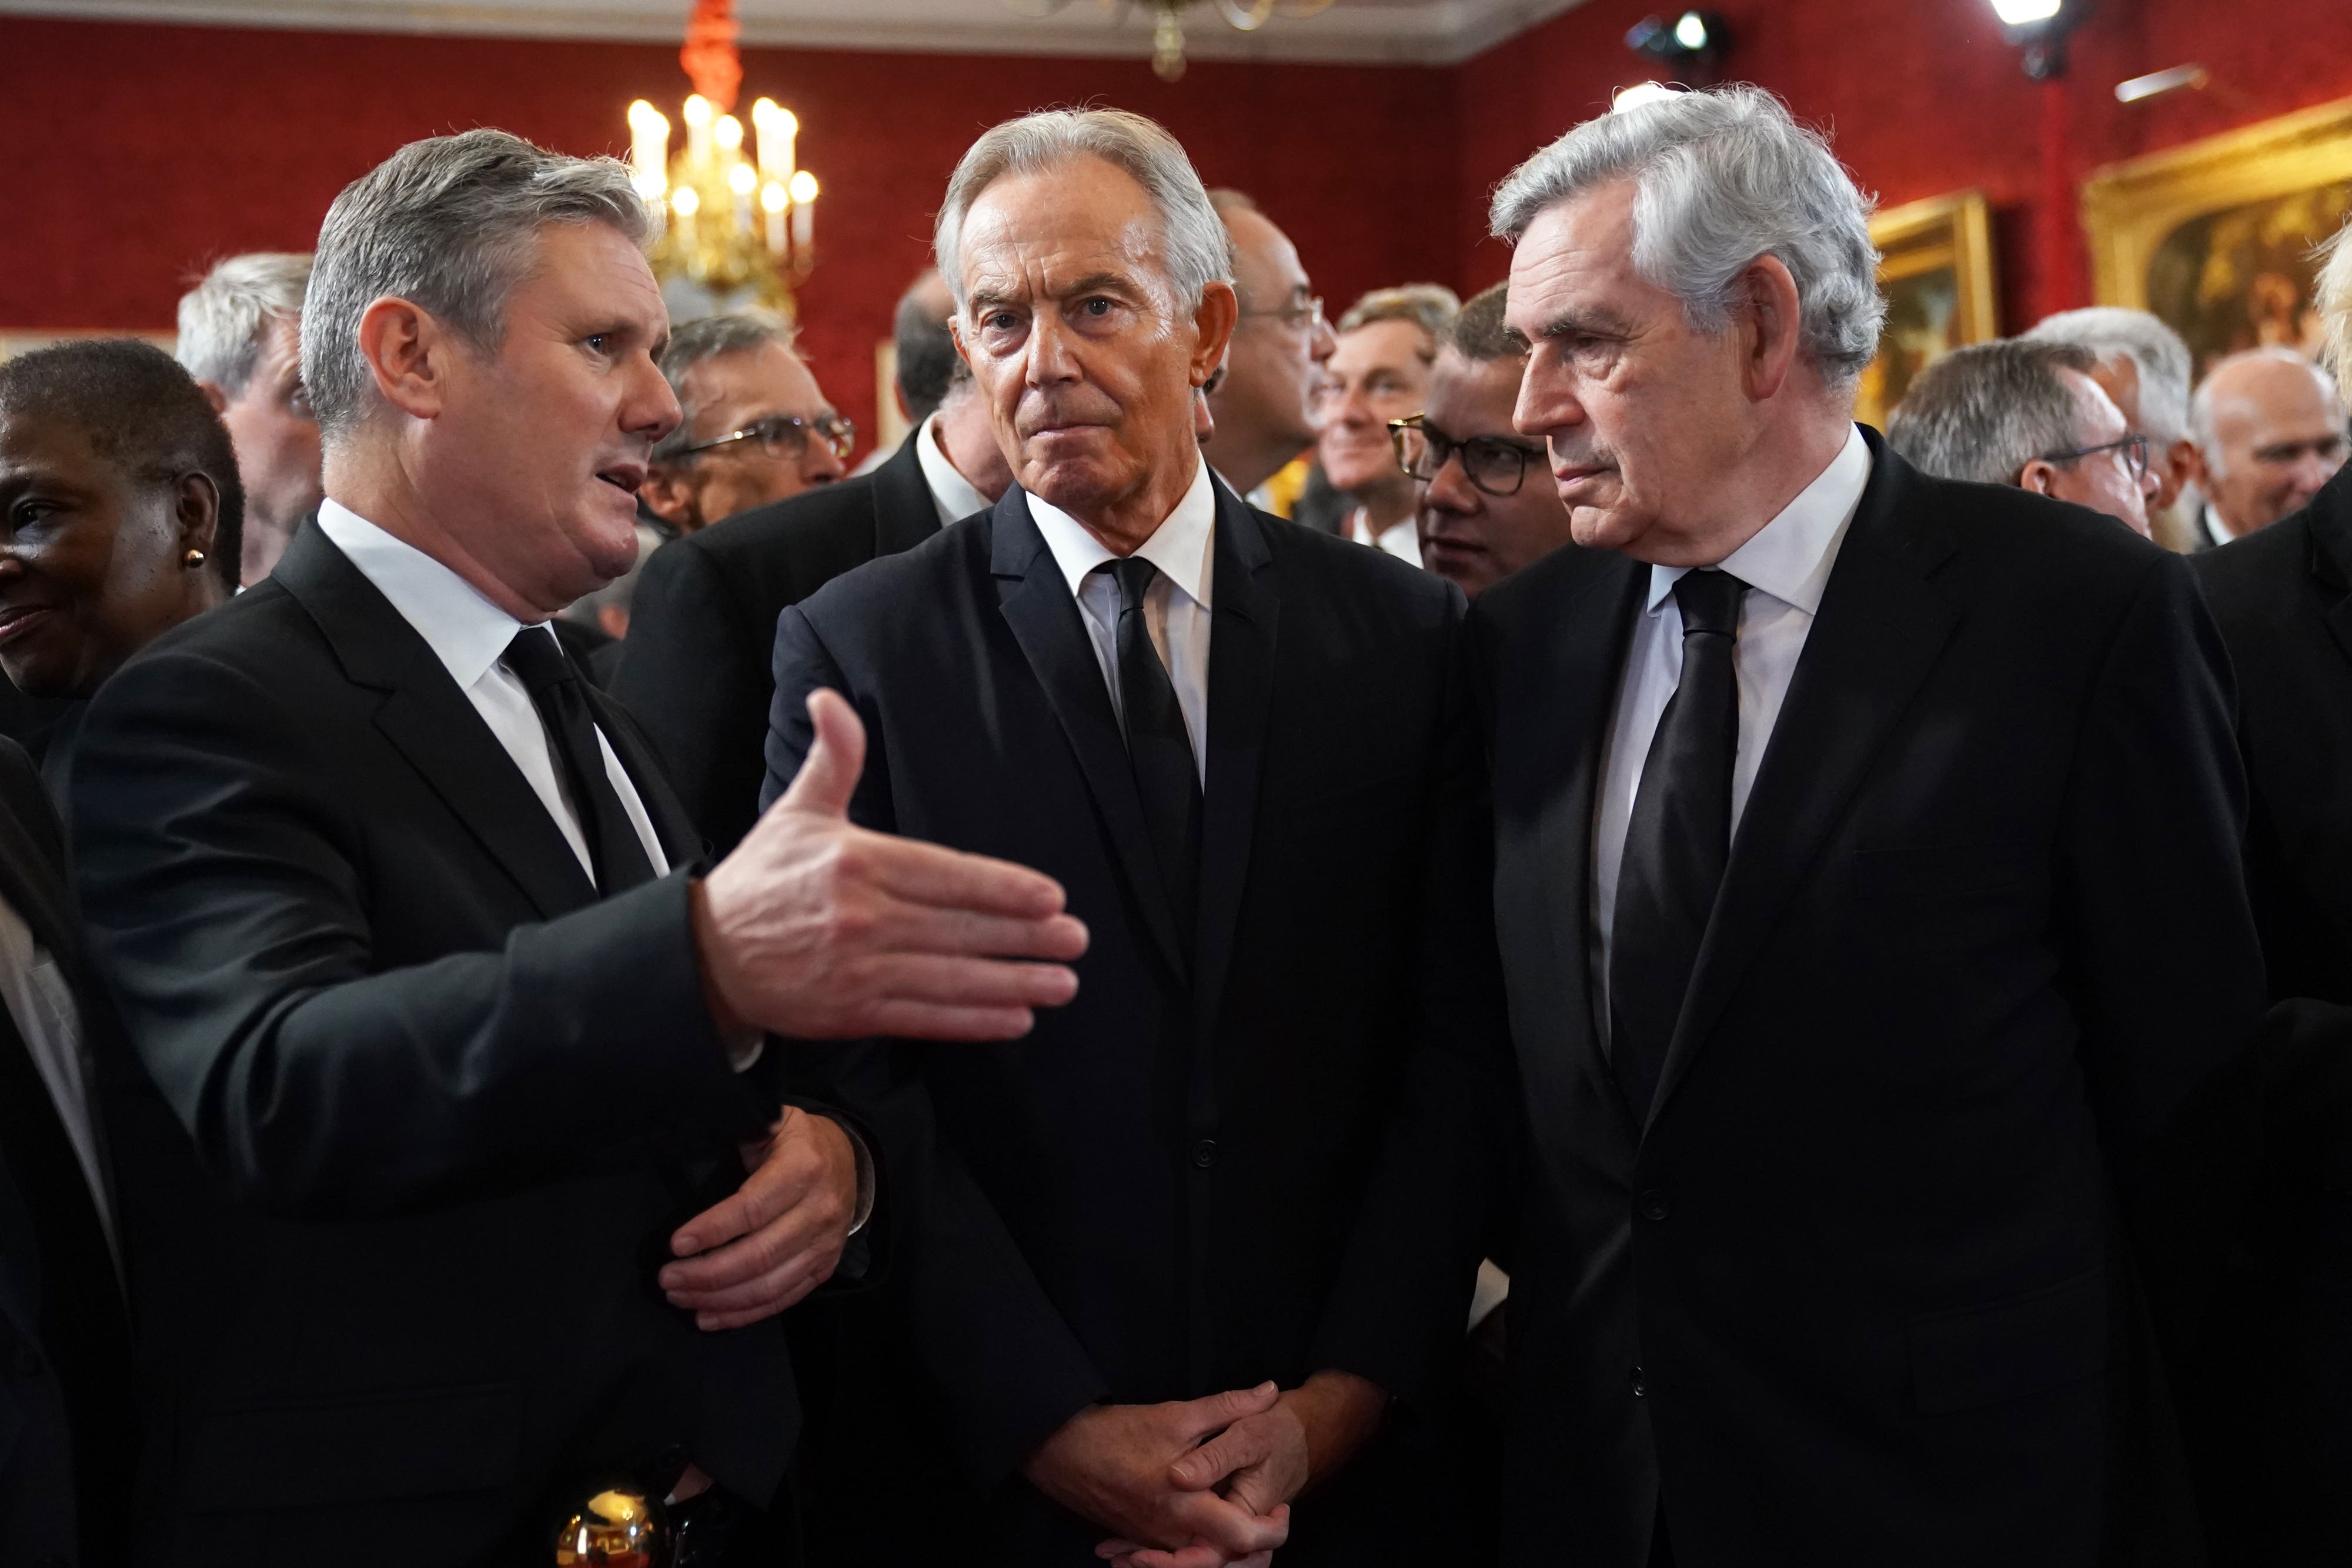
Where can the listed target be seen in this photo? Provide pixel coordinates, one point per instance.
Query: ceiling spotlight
(2041, 27)
(1692, 45)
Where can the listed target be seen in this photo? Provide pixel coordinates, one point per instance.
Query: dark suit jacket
(450, 1102)
(702, 626)
(68, 1420)
(1982, 974)
(1267, 1160)
(2283, 599)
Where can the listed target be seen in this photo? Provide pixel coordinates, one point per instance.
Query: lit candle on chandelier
(649, 151)
(741, 181)
(776, 127)
(804, 193)
(698, 130)
(773, 201)
(683, 202)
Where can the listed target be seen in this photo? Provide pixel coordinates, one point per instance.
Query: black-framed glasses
(1489, 462)
(786, 435)
(1307, 313)
(2132, 449)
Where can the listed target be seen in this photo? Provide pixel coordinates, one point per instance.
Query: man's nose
(823, 461)
(652, 409)
(1545, 405)
(1050, 356)
(1450, 489)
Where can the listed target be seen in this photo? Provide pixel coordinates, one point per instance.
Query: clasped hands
(1204, 1483)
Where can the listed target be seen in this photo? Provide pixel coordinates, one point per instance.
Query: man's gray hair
(1720, 178)
(2333, 298)
(2200, 404)
(448, 224)
(707, 337)
(2155, 349)
(1984, 412)
(1428, 306)
(224, 317)
(1194, 251)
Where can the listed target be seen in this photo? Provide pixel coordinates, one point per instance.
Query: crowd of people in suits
(1480, 933)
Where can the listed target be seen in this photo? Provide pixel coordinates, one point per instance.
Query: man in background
(2268, 427)
(702, 621)
(2144, 368)
(757, 429)
(1264, 407)
(1379, 370)
(240, 337)
(1487, 504)
(2026, 413)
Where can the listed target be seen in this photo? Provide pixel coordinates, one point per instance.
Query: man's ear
(668, 497)
(215, 396)
(2040, 476)
(409, 353)
(195, 512)
(1220, 309)
(1772, 319)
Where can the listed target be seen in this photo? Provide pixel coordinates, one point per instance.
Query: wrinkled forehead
(1047, 233)
(1576, 260)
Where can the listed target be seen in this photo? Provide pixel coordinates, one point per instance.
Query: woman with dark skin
(119, 507)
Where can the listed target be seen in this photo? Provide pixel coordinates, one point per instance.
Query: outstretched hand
(819, 929)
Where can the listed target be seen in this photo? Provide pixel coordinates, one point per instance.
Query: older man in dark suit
(1880, 965)
(411, 933)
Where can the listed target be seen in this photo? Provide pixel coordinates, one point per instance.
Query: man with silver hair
(489, 1194)
(2026, 413)
(2282, 597)
(2144, 369)
(1869, 903)
(1182, 1251)
(757, 429)
(241, 337)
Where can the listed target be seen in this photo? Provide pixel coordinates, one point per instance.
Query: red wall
(1922, 97)
(131, 154)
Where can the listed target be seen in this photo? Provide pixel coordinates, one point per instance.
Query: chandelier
(734, 220)
(1168, 21)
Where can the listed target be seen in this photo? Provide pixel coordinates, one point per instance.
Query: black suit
(453, 1101)
(1979, 975)
(1271, 1159)
(67, 1422)
(702, 626)
(2283, 599)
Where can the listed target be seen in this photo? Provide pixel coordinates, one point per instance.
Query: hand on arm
(1110, 1463)
(1261, 1461)
(818, 929)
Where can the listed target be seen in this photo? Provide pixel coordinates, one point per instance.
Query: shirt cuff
(743, 1049)
(864, 1209)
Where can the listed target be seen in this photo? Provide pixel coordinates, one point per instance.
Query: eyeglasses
(1490, 462)
(786, 435)
(1307, 314)
(2132, 449)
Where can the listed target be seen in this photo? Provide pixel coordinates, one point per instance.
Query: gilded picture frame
(1935, 269)
(2215, 236)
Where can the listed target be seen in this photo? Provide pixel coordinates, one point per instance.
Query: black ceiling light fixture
(2042, 28)
(1690, 45)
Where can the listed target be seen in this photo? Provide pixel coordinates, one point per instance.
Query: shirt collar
(951, 493)
(466, 632)
(1789, 558)
(1179, 547)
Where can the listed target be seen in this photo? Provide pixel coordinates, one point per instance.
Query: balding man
(1183, 1249)
(1264, 408)
(2268, 427)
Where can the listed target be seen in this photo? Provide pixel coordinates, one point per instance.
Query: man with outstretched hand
(482, 1196)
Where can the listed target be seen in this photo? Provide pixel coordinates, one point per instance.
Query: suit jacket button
(1641, 1388)
(1652, 1205)
(1205, 1152)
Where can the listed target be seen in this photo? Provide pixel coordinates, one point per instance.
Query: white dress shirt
(1175, 608)
(1786, 566)
(1402, 540)
(42, 1005)
(469, 635)
(951, 493)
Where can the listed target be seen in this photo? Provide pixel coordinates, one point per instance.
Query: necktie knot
(537, 660)
(1134, 576)
(1709, 602)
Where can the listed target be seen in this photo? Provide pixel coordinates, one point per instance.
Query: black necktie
(553, 682)
(1678, 841)
(1158, 747)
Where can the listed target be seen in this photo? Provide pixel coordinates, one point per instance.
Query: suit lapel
(1240, 687)
(1559, 726)
(682, 843)
(433, 724)
(1036, 605)
(1883, 623)
(904, 513)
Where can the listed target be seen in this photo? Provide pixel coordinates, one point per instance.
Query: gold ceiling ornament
(734, 219)
(1168, 20)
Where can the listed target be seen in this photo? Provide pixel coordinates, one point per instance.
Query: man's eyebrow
(1585, 324)
(1096, 282)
